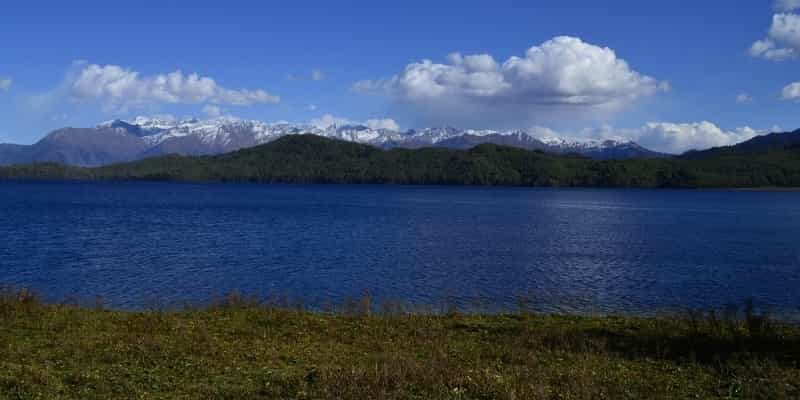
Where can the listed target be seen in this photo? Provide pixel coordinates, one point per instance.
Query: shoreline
(394, 184)
(767, 189)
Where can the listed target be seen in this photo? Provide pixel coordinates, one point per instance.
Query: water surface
(574, 250)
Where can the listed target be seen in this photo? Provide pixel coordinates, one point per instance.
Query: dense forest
(313, 159)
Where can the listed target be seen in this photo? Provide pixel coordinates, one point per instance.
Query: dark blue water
(632, 251)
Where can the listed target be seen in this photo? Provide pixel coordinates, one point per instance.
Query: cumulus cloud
(783, 39)
(786, 5)
(563, 71)
(121, 88)
(743, 98)
(677, 138)
(329, 120)
(791, 91)
(786, 29)
(5, 84)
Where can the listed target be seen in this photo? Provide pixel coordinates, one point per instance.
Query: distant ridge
(314, 159)
(770, 142)
(121, 141)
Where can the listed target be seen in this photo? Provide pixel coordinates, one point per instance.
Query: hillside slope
(314, 159)
(121, 141)
(765, 143)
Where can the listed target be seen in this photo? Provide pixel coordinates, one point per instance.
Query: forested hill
(313, 159)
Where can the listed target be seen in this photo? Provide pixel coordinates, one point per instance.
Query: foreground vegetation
(239, 349)
(313, 159)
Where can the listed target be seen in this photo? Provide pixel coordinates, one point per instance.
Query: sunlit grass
(241, 349)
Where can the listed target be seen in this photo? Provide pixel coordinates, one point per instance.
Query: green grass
(240, 350)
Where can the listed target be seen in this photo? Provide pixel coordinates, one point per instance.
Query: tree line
(313, 159)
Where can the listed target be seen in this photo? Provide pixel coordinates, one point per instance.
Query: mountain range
(120, 141)
(306, 158)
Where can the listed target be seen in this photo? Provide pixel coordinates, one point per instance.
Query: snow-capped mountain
(237, 133)
(227, 134)
(119, 141)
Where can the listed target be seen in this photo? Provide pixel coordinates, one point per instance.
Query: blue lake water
(573, 250)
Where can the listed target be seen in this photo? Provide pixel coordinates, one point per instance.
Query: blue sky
(261, 55)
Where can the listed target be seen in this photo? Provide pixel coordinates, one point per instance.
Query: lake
(481, 248)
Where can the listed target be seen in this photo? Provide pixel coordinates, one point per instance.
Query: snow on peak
(159, 122)
(582, 143)
(224, 131)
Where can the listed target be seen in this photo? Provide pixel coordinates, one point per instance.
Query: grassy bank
(240, 350)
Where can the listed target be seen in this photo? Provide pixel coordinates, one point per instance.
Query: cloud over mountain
(121, 88)
(677, 138)
(328, 120)
(665, 137)
(385, 123)
(561, 72)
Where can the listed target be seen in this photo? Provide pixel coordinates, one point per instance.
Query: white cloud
(544, 132)
(5, 84)
(329, 120)
(561, 72)
(768, 49)
(567, 70)
(212, 110)
(680, 137)
(786, 5)
(783, 40)
(312, 107)
(791, 91)
(121, 88)
(386, 123)
(786, 29)
(666, 137)
(743, 98)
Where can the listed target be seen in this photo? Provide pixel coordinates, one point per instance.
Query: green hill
(313, 159)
